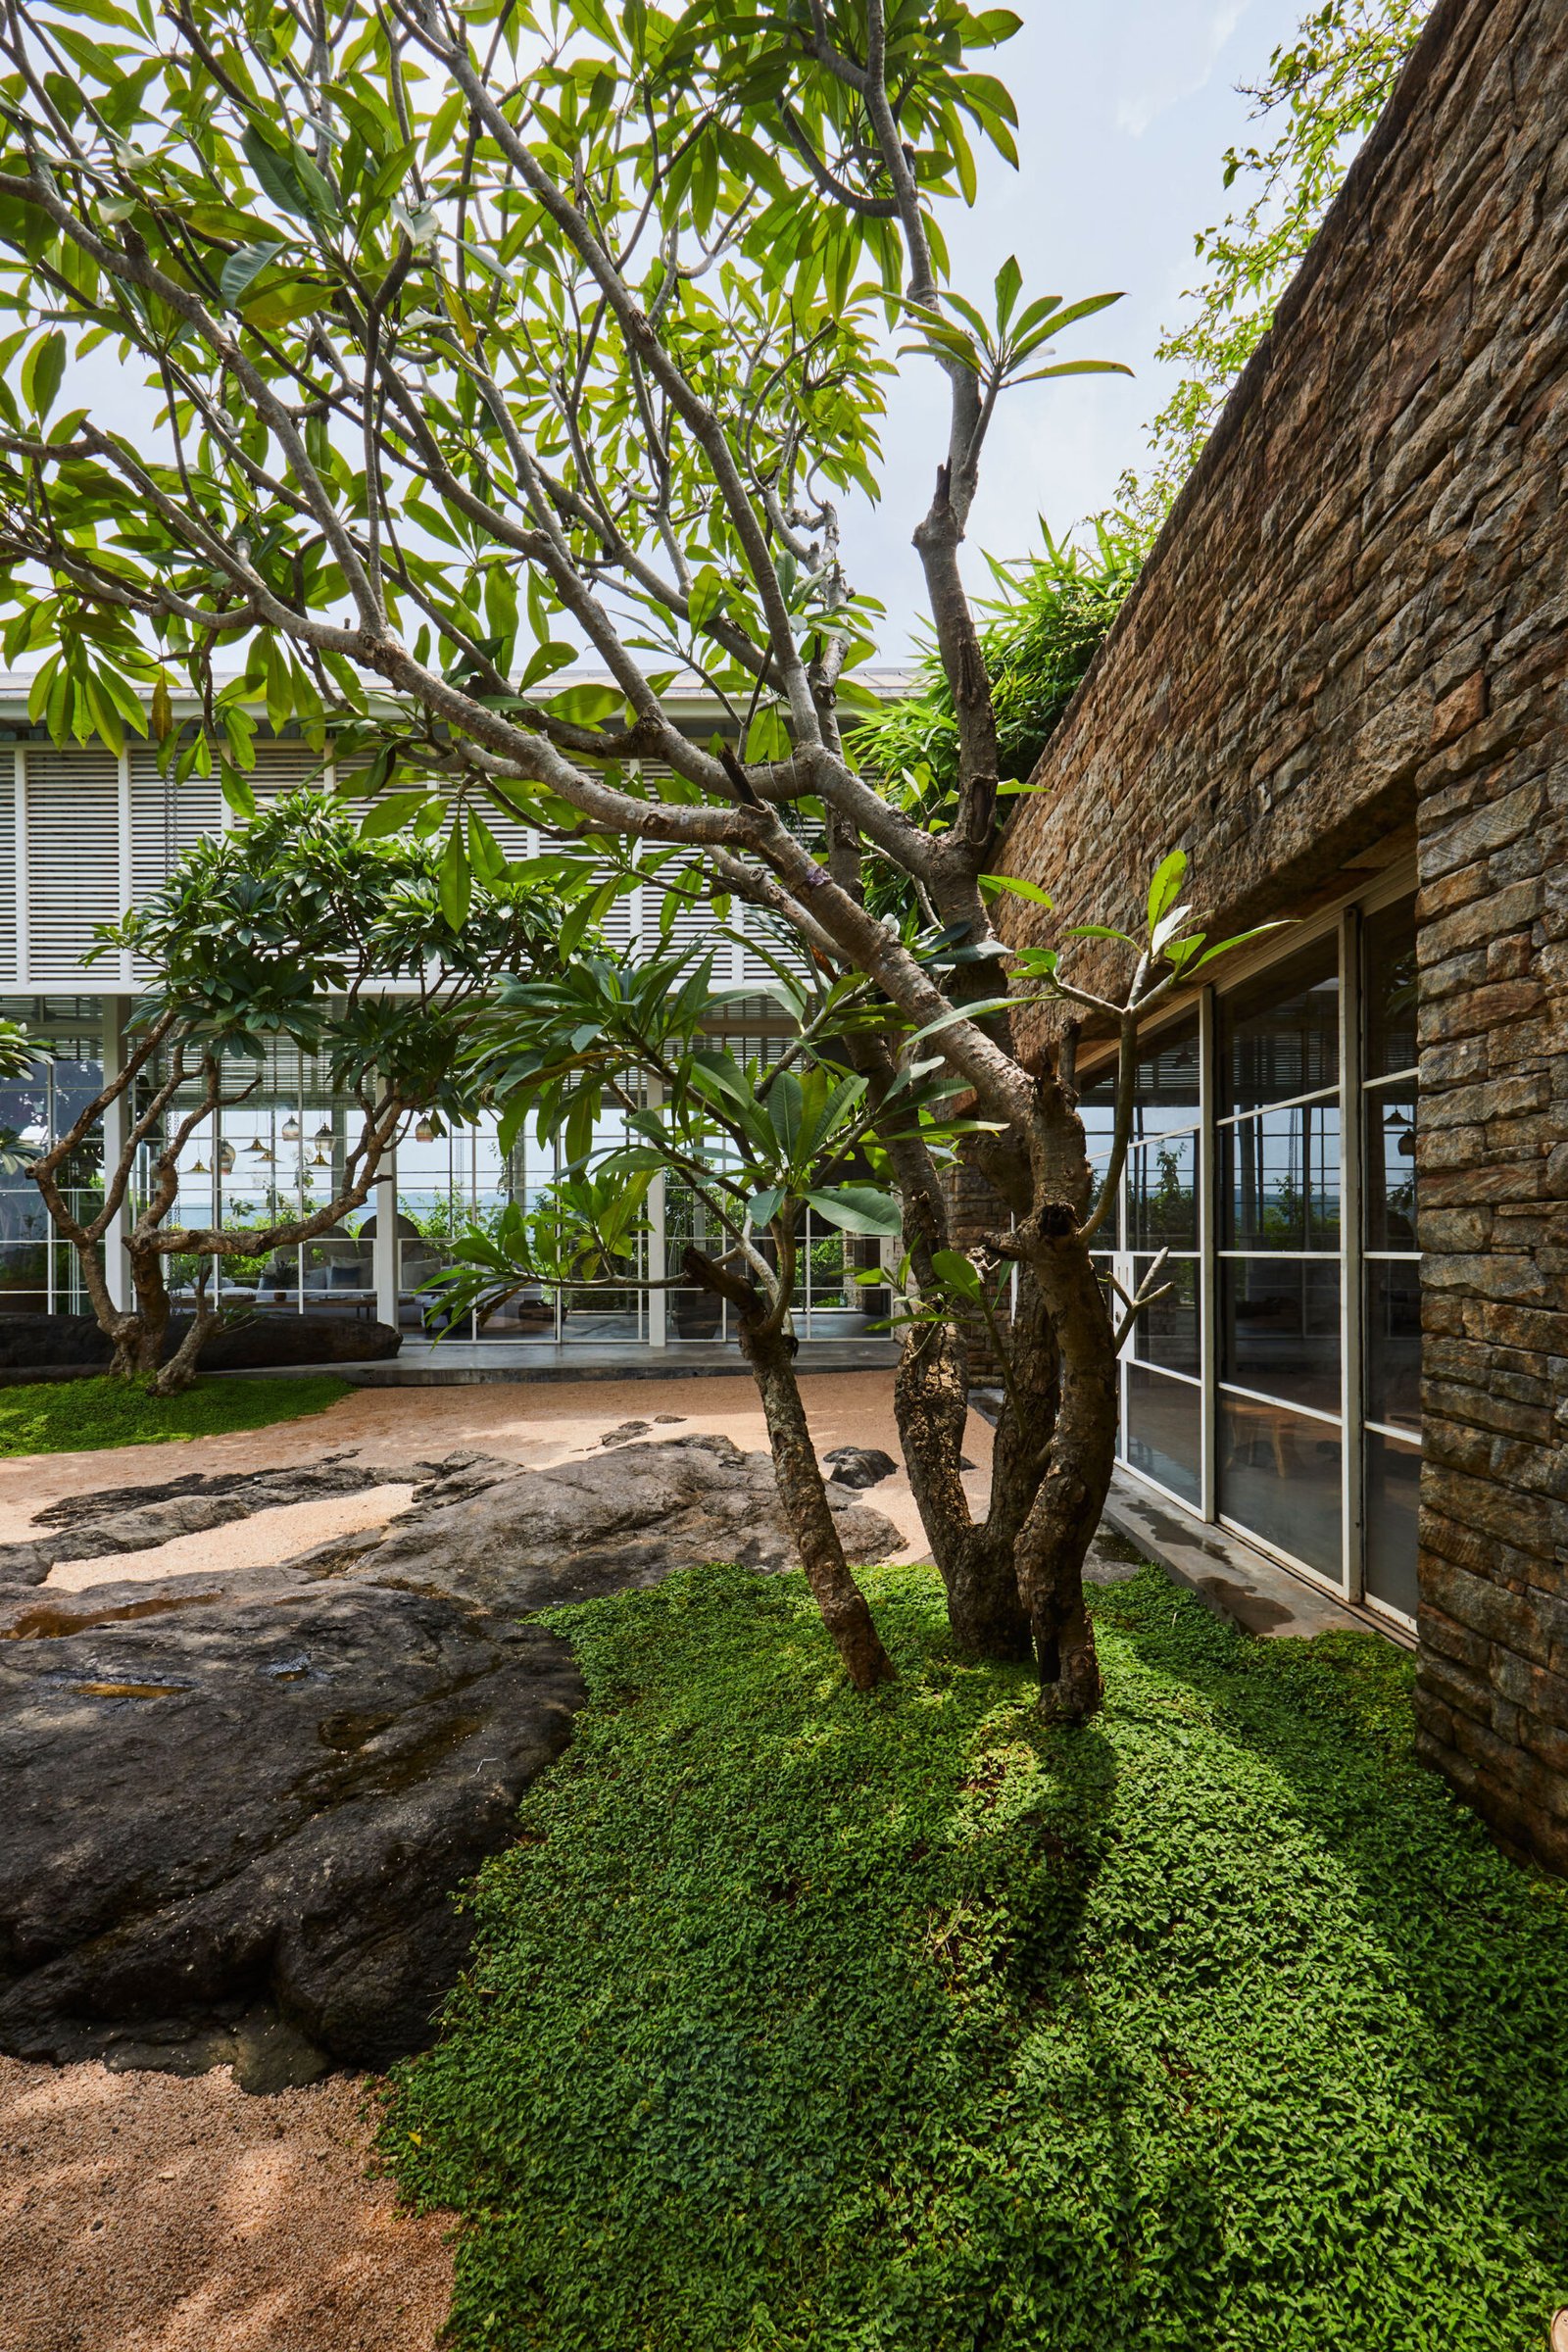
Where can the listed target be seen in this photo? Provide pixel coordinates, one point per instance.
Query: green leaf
(764, 1207)
(1016, 887)
(768, 738)
(242, 267)
(42, 371)
(392, 815)
(276, 173)
(962, 1012)
(547, 658)
(859, 1209)
(704, 596)
(454, 882)
(236, 791)
(1170, 875)
(956, 1272)
(1010, 285)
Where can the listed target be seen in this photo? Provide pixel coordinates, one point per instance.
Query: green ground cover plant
(908, 2024)
(74, 1416)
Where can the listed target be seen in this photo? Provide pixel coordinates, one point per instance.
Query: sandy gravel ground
(141, 2213)
(530, 1422)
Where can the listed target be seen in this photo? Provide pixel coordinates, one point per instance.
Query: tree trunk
(1055, 1539)
(931, 1398)
(771, 1351)
(152, 1307)
(845, 1613)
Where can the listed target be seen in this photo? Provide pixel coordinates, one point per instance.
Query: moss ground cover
(72, 1416)
(904, 2024)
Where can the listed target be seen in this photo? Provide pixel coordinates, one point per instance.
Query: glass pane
(1097, 1107)
(1389, 952)
(1280, 1179)
(1280, 1328)
(1390, 1202)
(1393, 1485)
(1393, 1342)
(1280, 1034)
(1279, 1477)
(1165, 1087)
(24, 1278)
(1167, 1333)
(1162, 1195)
(1164, 1431)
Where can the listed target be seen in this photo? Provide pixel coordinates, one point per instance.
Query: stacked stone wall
(1353, 637)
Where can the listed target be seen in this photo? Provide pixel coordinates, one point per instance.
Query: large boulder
(237, 1803)
(533, 1538)
(247, 1343)
(251, 1805)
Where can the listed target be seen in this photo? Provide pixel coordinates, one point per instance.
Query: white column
(384, 1240)
(658, 1300)
(117, 1267)
(19, 759)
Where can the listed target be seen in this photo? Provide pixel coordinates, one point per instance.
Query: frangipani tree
(485, 332)
(293, 928)
(756, 1141)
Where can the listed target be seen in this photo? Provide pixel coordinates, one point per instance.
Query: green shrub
(798, 2019)
(74, 1416)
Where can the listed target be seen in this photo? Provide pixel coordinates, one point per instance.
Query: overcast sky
(1126, 107)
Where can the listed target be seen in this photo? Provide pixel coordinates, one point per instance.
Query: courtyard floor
(146, 2213)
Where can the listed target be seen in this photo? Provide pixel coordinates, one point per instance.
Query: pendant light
(291, 1129)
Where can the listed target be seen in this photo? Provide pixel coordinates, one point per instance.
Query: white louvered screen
(10, 976)
(73, 859)
(165, 819)
(282, 767)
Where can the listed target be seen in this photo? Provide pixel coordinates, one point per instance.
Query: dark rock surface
(250, 1344)
(139, 1518)
(234, 1804)
(860, 1465)
(261, 1803)
(530, 1539)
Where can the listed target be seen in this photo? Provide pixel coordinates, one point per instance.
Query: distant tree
(290, 927)
(1322, 94)
(1037, 635)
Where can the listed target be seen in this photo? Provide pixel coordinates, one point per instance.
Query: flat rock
(605, 1523)
(85, 1527)
(235, 1805)
(248, 1800)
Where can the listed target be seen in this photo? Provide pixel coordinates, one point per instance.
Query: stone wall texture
(1352, 638)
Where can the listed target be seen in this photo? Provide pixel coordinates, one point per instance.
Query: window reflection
(1280, 1177)
(1164, 1431)
(1389, 966)
(1167, 1333)
(1165, 1091)
(1280, 1328)
(1279, 1476)
(1162, 1195)
(1280, 1034)
(1390, 1196)
(1393, 1342)
(1393, 1474)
